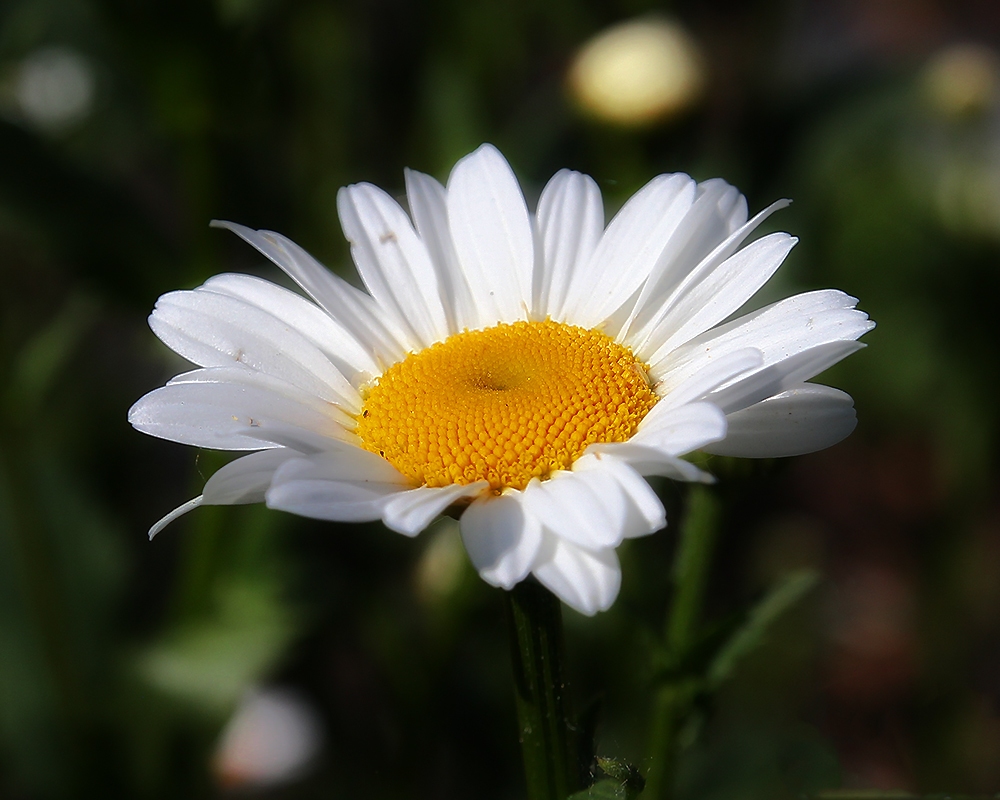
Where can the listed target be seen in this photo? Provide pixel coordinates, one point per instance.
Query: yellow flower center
(504, 405)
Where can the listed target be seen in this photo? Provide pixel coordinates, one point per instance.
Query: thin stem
(547, 734)
(691, 567)
(674, 698)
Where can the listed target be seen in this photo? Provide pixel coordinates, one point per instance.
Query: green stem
(674, 698)
(691, 567)
(547, 734)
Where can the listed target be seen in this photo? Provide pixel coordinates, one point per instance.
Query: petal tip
(180, 511)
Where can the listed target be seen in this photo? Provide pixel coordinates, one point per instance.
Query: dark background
(121, 660)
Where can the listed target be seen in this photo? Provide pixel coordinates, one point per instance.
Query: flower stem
(675, 697)
(547, 734)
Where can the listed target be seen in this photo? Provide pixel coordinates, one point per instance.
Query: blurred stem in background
(35, 560)
(547, 733)
(675, 697)
(698, 657)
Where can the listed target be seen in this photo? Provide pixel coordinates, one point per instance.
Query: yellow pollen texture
(505, 404)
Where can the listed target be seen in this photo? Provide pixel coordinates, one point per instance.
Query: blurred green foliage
(120, 659)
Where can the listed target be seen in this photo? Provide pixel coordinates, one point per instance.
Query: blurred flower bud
(963, 79)
(271, 739)
(638, 72)
(54, 87)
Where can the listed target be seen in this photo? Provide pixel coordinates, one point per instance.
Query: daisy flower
(524, 369)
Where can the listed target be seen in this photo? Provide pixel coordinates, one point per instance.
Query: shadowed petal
(344, 485)
(501, 538)
(246, 479)
(410, 512)
(585, 580)
(597, 504)
(803, 419)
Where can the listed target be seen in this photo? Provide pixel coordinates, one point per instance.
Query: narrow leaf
(751, 634)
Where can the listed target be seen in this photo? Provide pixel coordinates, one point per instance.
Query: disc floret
(505, 405)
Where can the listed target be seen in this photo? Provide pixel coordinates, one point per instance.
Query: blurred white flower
(271, 739)
(529, 368)
(956, 151)
(963, 79)
(637, 72)
(54, 87)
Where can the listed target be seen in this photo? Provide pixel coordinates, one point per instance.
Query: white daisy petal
(681, 430)
(644, 513)
(729, 213)
(629, 249)
(428, 201)
(231, 408)
(570, 224)
(717, 368)
(216, 330)
(392, 261)
(778, 331)
(781, 376)
(502, 539)
(410, 512)
(354, 309)
(333, 340)
(301, 440)
(705, 302)
(246, 479)
(585, 580)
(344, 485)
(492, 233)
(344, 462)
(649, 459)
(583, 509)
(180, 511)
(718, 209)
(597, 504)
(803, 419)
(658, 308)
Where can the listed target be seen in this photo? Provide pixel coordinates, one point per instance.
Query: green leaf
(233, 622)
(669, 664)
(212, 661)
(751, 634)
(44, 356)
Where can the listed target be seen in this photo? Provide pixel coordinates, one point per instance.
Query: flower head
(527, 368)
